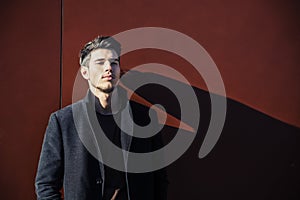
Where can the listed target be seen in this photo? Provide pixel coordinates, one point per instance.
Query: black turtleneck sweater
(114, 179)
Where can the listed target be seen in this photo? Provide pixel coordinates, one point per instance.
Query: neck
(106, 101)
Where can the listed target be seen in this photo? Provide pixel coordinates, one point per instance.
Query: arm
(49, 178)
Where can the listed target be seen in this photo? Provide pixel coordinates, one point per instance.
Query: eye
(100, 63)
(114, 63)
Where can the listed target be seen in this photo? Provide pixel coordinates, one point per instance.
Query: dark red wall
(29, 89)
(254, 43)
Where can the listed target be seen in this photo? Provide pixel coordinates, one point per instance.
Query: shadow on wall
(256, 157)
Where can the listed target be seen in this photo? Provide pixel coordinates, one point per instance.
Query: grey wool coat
(67, 166)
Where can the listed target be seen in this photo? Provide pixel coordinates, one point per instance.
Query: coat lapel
(85, 117)
(126, 131)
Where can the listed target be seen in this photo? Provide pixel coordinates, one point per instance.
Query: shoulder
(65, 114)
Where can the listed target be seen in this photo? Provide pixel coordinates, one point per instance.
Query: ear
(85, 72)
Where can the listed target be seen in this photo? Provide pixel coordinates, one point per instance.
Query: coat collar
(126, 119)
(90, 106)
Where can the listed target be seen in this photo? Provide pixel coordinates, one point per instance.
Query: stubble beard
(106, 90)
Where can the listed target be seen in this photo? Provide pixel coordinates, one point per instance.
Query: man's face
(103, 71)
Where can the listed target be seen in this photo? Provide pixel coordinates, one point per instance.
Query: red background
(254, 43)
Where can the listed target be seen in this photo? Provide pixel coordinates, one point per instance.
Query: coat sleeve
(49, 177)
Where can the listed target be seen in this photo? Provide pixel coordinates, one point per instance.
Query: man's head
(100, 63)
(102, 42)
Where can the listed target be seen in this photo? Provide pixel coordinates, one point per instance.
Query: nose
(107, 66)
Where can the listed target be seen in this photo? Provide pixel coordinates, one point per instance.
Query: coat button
(98, 181)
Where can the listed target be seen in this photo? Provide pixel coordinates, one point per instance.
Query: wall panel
(29, 64)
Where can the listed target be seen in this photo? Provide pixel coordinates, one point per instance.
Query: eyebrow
(103, 59)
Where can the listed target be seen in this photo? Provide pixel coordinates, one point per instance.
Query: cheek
(118, 71)
(95, 75)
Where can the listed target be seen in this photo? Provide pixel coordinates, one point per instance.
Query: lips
(107, 77)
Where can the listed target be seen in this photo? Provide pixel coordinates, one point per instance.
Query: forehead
(103, 54)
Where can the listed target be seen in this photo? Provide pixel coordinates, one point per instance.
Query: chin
(107, 90)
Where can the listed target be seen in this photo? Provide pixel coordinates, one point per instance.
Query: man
(69, 160)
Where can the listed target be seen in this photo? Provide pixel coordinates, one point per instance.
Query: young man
(67, 163)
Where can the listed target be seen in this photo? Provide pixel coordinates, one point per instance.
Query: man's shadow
(256, 156)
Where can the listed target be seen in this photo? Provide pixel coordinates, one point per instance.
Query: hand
(115, 194)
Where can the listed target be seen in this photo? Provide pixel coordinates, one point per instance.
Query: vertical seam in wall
(61, 52)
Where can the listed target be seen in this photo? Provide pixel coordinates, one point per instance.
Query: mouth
(108, 77)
